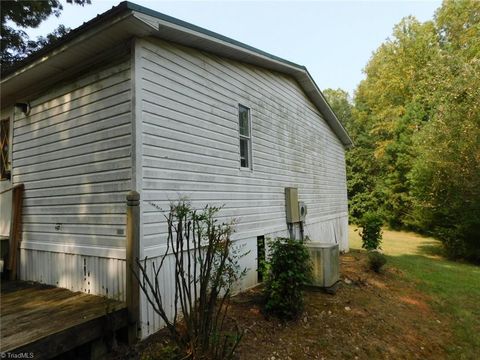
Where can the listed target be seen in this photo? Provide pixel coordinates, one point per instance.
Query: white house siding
(189, 113)
(89, 274)
(73, 154)
(5, 185)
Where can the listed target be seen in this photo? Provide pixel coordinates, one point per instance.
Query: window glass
(245, 138)
(4, 149)
(244, 153)
(244, 121)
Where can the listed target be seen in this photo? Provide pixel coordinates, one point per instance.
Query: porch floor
(48, 321)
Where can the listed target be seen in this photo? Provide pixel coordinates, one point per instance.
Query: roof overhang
(125, 21)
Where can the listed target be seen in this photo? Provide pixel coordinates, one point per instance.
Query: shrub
(206, 268)
(376, 260)
(371, 230)
(288, 268)
(460, 242)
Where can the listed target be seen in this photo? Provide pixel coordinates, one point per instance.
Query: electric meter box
(302, 211)
(291, 205)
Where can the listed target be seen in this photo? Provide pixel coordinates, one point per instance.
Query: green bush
(460, 242)
(376, 260)
(371, 230)
(288, 268)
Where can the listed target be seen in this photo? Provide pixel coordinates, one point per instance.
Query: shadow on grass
(431, 249)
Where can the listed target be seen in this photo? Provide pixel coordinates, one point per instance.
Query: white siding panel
(334, 231)
(151, 322)
(73, 154)
(89, 274)
(189, 113)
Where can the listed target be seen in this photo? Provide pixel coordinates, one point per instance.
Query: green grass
(454, 287)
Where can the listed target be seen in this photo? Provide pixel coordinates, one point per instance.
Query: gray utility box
(325, 263)
(291, 205)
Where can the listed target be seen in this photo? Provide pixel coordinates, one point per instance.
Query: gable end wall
(188, 107)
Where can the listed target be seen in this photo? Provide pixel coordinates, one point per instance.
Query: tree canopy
(16, 16)
(415, 121)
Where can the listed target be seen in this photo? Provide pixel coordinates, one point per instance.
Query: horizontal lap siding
(191, 145)
(73, 153)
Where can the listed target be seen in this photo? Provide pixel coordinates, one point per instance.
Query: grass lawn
(453, 287)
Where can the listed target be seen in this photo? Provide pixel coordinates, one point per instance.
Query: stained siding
(190, 147)
(190, 143)
(73, 153)
(89, 274)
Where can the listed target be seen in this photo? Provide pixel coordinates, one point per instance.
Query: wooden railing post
(133, 253)
(15, 230)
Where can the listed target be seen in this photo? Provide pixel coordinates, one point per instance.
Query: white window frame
(6, 176)
(248, 138)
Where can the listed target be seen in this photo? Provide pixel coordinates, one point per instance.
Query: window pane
(243, 121)
(244, 153)
(4, 148)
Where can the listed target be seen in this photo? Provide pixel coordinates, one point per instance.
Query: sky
(333, 39)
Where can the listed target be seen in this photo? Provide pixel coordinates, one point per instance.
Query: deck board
(32, 315)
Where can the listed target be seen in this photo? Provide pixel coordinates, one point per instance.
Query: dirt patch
(372, 316)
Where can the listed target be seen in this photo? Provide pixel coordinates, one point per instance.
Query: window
(245, 137)
(4, 147)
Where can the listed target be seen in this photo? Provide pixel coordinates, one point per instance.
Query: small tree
(206, 267)
(287, 270)
(371, 230)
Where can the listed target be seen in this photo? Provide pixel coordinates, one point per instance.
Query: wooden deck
(47, 321)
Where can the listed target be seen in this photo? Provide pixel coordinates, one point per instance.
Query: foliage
(371, 230)
(361, 170)
(18, 15)
(288, 269)
(206, 268)
(376, 260)
(341, 103)
(415, 122)
(391, 99)
(444, 177)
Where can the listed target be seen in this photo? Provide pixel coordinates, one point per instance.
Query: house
(137, 100)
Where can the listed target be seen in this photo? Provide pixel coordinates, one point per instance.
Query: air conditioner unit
(302, 210)
(325, 263)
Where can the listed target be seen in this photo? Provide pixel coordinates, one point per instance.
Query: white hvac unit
(325, 263)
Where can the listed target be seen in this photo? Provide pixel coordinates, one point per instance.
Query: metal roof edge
(127, 6)
(65, 39)
(59, 46)
(346, 140)
(332, 119)
(190, 26)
